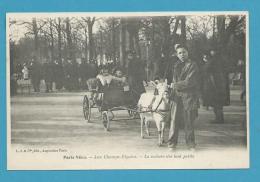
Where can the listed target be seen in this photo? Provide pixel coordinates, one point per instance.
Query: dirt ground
(56, 119)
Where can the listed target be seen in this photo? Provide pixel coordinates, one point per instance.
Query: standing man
(135, 75)
(19, 69)
(241, 68)
(35, 68)
(82, 69)
(184, 98)
(92, 69)
(68, 69)
(75, 76)
(48, 75)
(58, 74)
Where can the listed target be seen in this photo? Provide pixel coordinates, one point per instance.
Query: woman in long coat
(218, 93)
(206, 86)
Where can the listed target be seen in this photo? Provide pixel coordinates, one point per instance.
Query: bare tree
(225, 29)
(33, 28)
(90, 22)
(122, 41)
(48, 33)
(69, 39)
(57, 24)
(183, 29)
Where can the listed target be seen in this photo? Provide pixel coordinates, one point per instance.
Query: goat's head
(162, 87)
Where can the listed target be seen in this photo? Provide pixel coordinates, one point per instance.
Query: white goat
(155, 108)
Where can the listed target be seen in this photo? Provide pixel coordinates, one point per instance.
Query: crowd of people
(69, 75)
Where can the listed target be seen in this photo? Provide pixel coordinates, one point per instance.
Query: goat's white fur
(160, 104)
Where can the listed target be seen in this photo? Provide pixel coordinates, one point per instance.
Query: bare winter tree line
(107, 39)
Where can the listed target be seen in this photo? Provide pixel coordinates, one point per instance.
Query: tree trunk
(167, 37)
(69, 39)
(101, 47)
(183, 29)
(90, 43)
(36, 38)
(131, 40)
(221, 28)
(132, 29)
(214, 31)
(90, 23)
(86, 44)
(122, 42)
(52, 41)
(59, 39)
(220, 33)
(137, 46)
(113, 40)
(174, 33)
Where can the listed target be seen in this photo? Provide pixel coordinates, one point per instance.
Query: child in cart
(105, 78)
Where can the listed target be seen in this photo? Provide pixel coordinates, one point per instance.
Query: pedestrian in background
(35, 68)
(48, 75)
(75, 75)
(25, 72)
(206, 85)
(241, 68)
(58, 74)
(135, 75)
(92, 69)
(68, 75)
(82, 69)
(84, 73)
(218, 93)
(18, 70)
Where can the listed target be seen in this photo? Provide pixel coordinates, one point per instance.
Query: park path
(56, 119)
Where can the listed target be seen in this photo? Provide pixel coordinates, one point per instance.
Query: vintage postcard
(130, 90)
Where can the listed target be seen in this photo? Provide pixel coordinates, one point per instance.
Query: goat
(155, 107)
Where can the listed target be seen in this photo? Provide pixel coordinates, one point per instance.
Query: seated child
(119, 79)
(105, 77)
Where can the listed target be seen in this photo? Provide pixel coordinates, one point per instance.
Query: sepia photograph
(131, 90)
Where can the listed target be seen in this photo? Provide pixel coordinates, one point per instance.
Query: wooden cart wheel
(86, 108)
